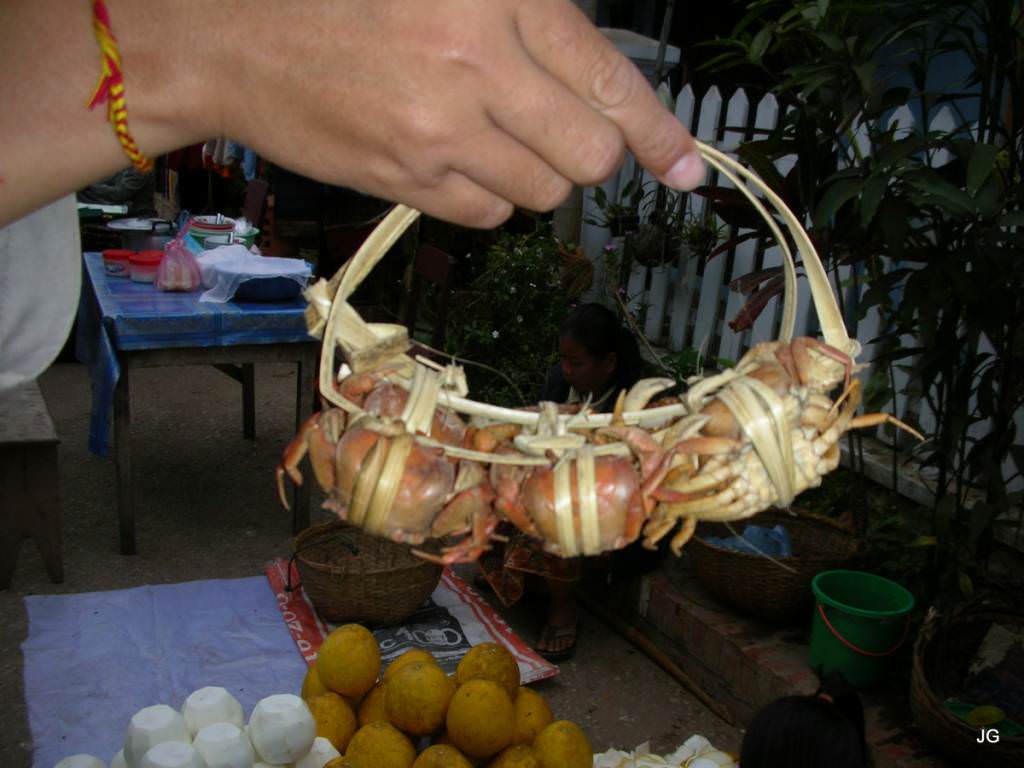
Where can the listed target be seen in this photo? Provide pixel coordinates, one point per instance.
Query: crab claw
(317, 436)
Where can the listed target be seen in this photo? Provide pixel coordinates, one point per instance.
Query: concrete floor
(206, 508)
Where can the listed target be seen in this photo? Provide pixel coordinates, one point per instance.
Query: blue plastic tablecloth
(94, 659)
(116, 314)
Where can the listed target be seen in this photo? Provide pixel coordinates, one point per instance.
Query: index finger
(562, 40)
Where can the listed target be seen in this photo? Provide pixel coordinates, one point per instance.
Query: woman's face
(587, 374)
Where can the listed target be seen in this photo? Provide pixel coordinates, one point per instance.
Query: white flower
(519, 318)
(512, 289)
(495, 334)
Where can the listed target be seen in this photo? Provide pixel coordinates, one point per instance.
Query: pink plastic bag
(179, 270)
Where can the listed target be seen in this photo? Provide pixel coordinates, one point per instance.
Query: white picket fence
(687, 305)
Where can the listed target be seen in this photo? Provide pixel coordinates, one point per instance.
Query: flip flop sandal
(549, 634)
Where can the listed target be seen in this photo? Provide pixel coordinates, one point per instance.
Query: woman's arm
(458, 107)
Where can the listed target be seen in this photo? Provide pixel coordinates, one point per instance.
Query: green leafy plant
(508, 319)
(622, 216)
(929, 219)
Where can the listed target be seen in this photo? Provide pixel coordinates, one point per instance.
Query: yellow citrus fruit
(563, 745)
(416, 699)
(533, 715)
(334, 719)
(349, 660)
(340, 762)
(441, 756)
(409, 657)
(490, 661)
(516, 756)
(380, 745)
(481, 718)
(312, 685)
(372, 709)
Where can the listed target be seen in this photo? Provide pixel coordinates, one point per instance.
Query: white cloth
(225, 268)
(40, 281)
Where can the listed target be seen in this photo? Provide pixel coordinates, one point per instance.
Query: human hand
(460, 108)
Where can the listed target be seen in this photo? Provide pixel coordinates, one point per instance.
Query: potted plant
(507, 321)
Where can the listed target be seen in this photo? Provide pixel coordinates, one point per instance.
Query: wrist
(170, 75)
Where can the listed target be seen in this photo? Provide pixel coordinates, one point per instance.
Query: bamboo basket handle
(373, 249)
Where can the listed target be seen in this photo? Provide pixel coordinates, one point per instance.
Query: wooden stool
(29, 501)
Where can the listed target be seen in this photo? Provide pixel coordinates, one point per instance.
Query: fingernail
(687, 173)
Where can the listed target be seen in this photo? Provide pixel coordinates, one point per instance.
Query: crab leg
(314, 440)
(684, 534)
(877, 419)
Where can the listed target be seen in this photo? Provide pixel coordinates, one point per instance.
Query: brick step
(744, 664)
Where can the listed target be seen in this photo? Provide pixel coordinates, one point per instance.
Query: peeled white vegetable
(118, 761)
(223, 745)
(281, 728)
(172, 754)
(319, 754)
(210, 705)
(81, 761)
(149, 727)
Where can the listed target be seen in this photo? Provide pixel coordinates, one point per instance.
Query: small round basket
(760, 587)
(353, 576)
(944, 650)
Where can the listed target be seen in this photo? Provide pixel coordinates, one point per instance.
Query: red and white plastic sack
(179, 270)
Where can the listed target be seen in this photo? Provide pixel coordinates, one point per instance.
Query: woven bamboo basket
(779, 589)
(943, 650)
(353, 576)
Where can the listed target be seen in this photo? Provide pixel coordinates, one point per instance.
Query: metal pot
(141, 234)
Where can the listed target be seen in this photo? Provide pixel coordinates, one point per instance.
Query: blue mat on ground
(94, 659)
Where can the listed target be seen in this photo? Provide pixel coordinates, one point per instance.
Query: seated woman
(598, 358)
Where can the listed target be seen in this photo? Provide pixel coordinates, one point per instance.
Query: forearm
(50, 143)
(461, 108)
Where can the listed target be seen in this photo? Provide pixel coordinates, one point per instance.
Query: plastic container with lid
(115, 262)
(143, 265)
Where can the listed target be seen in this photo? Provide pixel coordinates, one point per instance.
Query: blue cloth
(92, 660)
(116, 314)
(757, 539)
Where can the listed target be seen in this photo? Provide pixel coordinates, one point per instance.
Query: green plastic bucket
(860, 621)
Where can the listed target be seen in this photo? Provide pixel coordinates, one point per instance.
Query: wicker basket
(353, 576)
(759, 587)
(943, 651)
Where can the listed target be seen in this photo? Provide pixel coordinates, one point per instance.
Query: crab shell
(620, 510)
(425, 486)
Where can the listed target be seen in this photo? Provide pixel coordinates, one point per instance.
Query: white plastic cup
(119, 761)
(281, 728)
(321, 753)
(223, 745)
(81, 760)
(149, 727)
(172, 754)
(211, 705)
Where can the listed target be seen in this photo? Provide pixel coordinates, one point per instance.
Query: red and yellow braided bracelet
(110, 88)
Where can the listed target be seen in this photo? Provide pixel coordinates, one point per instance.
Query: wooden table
(29, 499)
(124, 326)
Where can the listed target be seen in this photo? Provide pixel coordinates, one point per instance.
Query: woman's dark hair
(597, 329)
(825, 730)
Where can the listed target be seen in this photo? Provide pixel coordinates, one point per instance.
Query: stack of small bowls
(222, 228)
